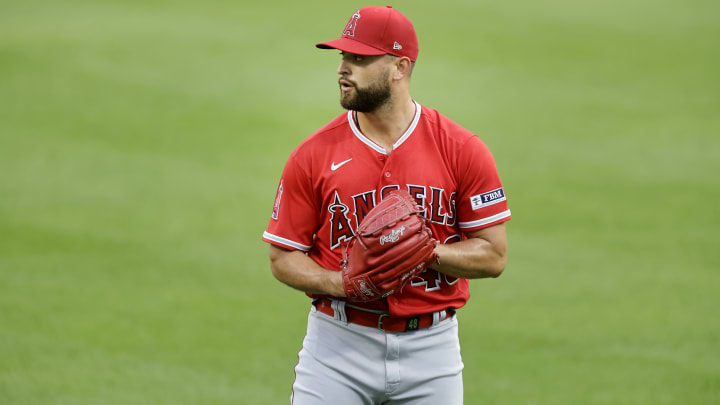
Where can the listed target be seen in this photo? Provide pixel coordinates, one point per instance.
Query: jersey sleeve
(481, 200)
(294, 217)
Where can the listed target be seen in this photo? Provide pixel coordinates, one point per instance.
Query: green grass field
(141, 143)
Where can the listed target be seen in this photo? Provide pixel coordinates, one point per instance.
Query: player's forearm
(297, 270)
(472, 258)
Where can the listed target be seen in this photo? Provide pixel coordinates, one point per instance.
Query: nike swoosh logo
(334, 166)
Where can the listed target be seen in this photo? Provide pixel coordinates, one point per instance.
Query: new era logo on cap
(377, 30)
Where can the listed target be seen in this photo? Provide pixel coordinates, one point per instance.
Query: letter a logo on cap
(350, 27)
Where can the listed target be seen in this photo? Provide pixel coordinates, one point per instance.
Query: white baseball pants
(347, 364)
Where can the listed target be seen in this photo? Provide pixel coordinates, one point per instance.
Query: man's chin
(346, 101)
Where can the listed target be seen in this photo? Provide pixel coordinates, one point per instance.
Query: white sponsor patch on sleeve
(487, 199)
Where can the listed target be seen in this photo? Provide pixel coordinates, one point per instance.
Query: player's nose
(343, 68)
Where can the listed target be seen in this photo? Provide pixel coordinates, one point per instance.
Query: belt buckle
(380, 321)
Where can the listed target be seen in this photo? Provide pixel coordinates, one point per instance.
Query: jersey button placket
(386, 173)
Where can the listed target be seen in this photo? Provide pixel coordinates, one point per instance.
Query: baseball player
(403, 347)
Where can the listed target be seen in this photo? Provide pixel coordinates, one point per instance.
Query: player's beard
(368, 99)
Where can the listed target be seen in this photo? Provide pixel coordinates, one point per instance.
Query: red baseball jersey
(337, 175)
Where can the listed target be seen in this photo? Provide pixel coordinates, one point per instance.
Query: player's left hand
(391, 246)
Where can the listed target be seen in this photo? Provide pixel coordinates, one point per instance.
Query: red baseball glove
(392, 245)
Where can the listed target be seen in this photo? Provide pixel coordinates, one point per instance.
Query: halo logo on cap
(351, 25)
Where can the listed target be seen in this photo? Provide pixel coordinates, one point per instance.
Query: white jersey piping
(485, 221)
(378, 148)
(286, 242)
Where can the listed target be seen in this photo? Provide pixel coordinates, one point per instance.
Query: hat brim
(351, 46)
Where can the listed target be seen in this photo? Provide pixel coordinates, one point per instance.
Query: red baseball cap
(377, 30)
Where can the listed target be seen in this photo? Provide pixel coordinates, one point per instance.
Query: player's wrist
(336, 287)
(439, 252)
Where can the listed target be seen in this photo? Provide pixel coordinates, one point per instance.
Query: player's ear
(403, 68)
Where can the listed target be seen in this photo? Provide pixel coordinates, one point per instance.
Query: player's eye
(354, 57)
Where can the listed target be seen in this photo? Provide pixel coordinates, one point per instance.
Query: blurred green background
(141, 143)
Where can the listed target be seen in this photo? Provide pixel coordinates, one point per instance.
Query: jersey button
(387, 174)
